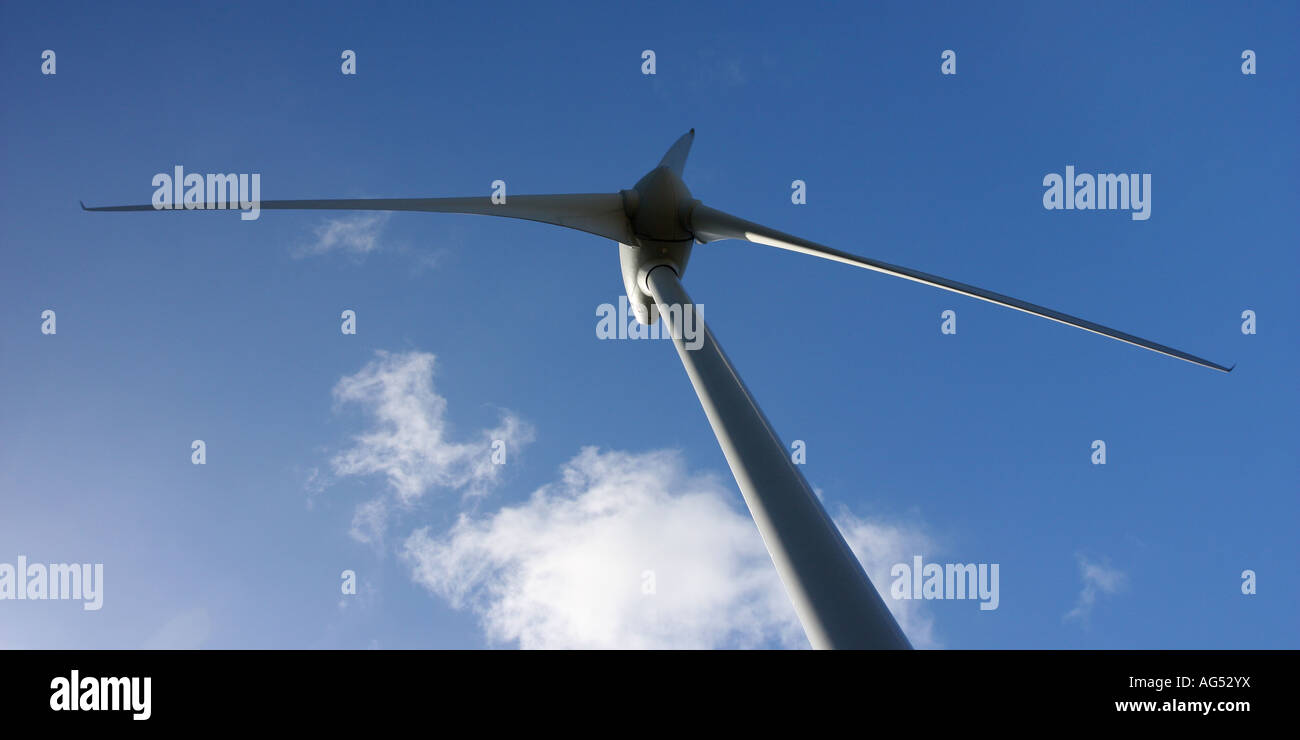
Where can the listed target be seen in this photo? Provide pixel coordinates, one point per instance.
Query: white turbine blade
(675, 158)
(710, 224)
(601, 214)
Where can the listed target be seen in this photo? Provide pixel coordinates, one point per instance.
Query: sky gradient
(329, 452)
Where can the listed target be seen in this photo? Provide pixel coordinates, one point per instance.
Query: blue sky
(973, 447)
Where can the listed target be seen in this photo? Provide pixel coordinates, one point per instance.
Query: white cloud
(1097, 579)
(880, 546)
(569, 568)
(408, 440)
(355, 235)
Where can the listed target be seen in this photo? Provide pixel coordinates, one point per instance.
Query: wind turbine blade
(675, 158)
(710, 224)
(601, 214)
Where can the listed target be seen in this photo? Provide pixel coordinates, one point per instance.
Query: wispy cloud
(355, 236)
(721, 69)
(370, 522)
(409, 441)
(1098, 579)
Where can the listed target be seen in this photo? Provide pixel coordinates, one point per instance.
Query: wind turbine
(656, 223)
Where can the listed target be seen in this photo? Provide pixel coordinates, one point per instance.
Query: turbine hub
(659, 209)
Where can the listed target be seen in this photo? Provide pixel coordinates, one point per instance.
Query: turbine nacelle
(658, 210)
(659, 207)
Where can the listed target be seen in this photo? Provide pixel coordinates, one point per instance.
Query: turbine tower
(656, 223)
